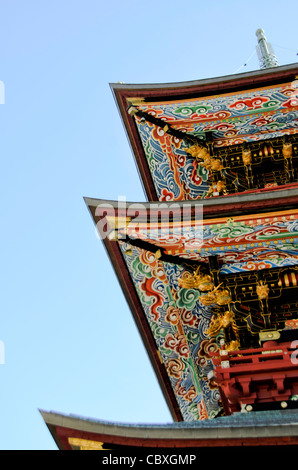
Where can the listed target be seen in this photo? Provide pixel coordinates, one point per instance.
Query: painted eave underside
(180, 350)
(244, 107)
(276, 428)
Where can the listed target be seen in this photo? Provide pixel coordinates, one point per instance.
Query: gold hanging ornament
(287, 150)
(262, 290)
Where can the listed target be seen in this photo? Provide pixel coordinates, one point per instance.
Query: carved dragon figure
(197, 280)
(262, 290)
(222, 322)
(216, 296)
(203, 157)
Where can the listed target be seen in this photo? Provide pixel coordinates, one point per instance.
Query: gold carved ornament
(85, 444)
(202, 155)
(287, 150)
(218, 187)
(262, 290)
(221, 322)
(204, 159)
(197, 280)
(205, 283)
(246, 157)
(216, 296)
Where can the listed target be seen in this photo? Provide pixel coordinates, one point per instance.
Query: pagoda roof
(267, 428)
(172, 320)
(161, 119)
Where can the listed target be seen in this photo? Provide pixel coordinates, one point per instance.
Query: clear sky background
(71, 344)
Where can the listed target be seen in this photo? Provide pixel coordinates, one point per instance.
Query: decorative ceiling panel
(233, 117)
(240, 243)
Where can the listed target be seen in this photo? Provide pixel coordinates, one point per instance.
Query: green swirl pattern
(187, 298)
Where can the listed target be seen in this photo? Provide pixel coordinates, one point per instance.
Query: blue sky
(71, 344)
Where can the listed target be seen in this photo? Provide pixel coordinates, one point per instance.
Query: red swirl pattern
(157, 298)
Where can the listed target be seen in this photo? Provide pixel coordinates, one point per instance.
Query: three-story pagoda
(209, 265)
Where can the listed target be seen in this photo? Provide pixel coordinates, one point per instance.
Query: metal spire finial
(265, 52)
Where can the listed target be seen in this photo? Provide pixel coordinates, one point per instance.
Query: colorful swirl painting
(178, 323)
